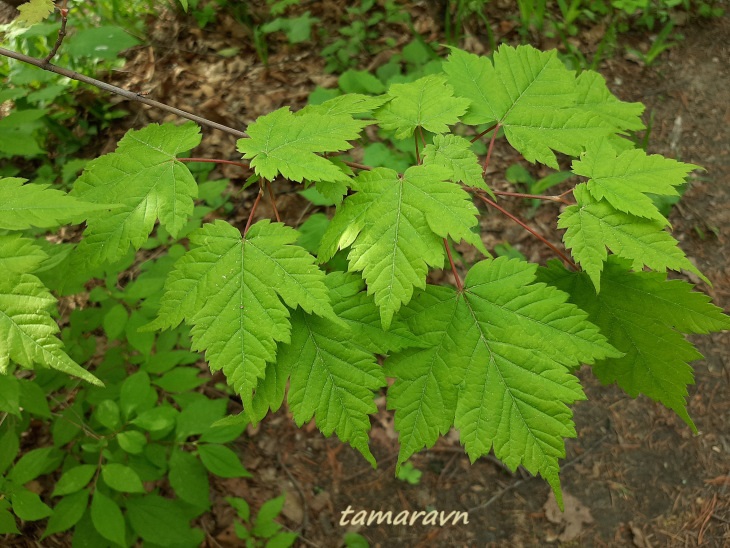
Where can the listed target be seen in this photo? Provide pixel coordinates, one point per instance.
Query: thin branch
(119, 91)
(483, 133)
(459, 284)
(556, 199)
(214, 161)
(415, 141)
(489, 151)
(530, 230)
(63, 10)
(273, 201)
(253, 210)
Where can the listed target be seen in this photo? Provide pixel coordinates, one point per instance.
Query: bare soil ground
(635, 475)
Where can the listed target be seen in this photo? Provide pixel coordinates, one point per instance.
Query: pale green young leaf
(19, 255)
(349, 104)
(428, 103)
(284, 143)
(147, 182)
(357, 310)
(331, 379)
(645, 316)
(35, 11)
(454, 153)
(270, 391)
(593, 226)
(594, 97)
(27, 330)
(424, 393)
(508, 345)
(359, 317)
(531, 95)
(233, 291)
(625, 179)
(395, 226)
(27, 205)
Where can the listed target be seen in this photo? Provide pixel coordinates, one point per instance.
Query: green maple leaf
(270, 391)
(531, 95)
(424, 394)
(233, 291)
(395, 226)
(18, 254)
(27, 205)
(428, 103)
(592, 226)
(357, 316)
(455, 153)
(645, 316)
(625, 179)
(287, 144)
(348, 104)
(331, 379)
(358, 312)
(502, 351)
(593, 97)
(27, 330)
(145, 179)
(35, 11)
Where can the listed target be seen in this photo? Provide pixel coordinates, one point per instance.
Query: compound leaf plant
(493, 356)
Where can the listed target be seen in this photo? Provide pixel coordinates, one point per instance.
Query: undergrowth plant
(493, 354)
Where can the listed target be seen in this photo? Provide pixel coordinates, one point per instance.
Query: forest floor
(635, 475)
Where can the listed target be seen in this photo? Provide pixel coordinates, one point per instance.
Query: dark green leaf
(132, 441)
(161, 521)
(74, 480)
(189, 478)
(9, 395)
(181, 379)
(7, 523)
(108, 519)
(28, 506)
(102, 42)
(221, 461)
(198, 417)
(9, 444)
(121, 478)
(67, 513)
(34, 463)
(157, 419)
(107, 413)
(33, 399)
(134, 392)
(114, 321)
